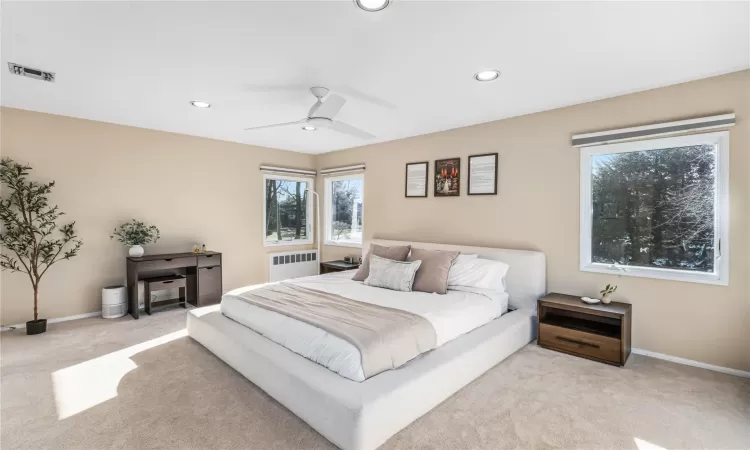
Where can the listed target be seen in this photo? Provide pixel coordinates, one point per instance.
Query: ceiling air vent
(36, 74)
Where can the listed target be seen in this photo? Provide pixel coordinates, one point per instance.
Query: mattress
(360, 416)
(452, 315)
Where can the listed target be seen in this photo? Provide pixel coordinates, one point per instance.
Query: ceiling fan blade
(276, 125)
(345, 128)
(330, 107)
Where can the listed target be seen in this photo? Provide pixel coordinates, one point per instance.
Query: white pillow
(478, 273)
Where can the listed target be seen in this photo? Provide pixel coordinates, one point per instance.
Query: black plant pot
(36, 326)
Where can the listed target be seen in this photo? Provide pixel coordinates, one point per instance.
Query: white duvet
(452, 315)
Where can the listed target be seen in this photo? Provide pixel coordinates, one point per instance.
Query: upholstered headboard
(525, 282)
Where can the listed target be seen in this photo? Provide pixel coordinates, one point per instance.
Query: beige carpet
(178, 395)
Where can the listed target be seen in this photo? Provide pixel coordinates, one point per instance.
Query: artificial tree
(29, 227)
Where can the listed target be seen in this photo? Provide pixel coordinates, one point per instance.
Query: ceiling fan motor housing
(319, 92)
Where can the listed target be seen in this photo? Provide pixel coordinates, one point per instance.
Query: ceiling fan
(322, 114)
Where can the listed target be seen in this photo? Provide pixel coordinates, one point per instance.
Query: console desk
(202, 274)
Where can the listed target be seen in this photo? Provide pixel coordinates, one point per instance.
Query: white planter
(135, 250)
(606, 299)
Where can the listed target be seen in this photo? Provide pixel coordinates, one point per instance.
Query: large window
(286, 203)
(657, 208)
(344, 210)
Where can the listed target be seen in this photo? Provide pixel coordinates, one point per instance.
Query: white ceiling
(405, 71)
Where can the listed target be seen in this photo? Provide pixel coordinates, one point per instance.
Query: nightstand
(598, 332)
(337, 266)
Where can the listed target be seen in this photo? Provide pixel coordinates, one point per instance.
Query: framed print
(483, 174)
(416, 179)
(448, 177)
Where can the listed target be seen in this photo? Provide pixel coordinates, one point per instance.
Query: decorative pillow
(479, 273)
(432, 275)
(389, 274)
(394, 253)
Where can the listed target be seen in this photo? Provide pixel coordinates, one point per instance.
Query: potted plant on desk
(135, 234)
(28, 224)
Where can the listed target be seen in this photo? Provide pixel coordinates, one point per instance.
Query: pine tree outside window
(657, 208)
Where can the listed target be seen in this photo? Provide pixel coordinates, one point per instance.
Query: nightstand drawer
(580, 343)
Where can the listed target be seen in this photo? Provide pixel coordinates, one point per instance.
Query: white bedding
(452, 315)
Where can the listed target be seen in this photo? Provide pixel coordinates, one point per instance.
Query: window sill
(343, 244)
(287, 243)
(661, 274)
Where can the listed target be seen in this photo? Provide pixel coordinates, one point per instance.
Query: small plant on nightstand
(606, 292)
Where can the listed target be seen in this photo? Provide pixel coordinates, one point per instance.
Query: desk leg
(191, 294)
(146, 297)
(183, 298)
(132, 282)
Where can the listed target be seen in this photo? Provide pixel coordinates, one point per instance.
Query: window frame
(720, 276)
(328, 209)
(310, 212)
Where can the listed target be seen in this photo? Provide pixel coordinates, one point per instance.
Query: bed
(361, 415)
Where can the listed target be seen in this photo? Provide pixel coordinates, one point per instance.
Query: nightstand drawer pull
(574, 341)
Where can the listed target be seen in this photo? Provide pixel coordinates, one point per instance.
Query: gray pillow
(433, 273)
(394, 253)
(389, 274)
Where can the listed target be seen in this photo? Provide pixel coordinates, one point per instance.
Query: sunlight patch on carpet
(645, 445)
(80, 387)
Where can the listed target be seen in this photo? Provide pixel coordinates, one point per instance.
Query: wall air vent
(36, 74)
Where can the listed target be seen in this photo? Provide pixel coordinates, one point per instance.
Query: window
(286, 203)
(344, 210)
(657, 208)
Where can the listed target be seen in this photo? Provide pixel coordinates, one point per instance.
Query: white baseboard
(59, 319)
(690, 362)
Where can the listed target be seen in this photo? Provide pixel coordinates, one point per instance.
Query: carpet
(126, 384)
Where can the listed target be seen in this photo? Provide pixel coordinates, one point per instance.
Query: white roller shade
(288, 171)
(358, 168)
(649, 131)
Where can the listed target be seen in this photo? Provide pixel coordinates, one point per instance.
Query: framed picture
(483, 174)
(416, 179)
(448, 177)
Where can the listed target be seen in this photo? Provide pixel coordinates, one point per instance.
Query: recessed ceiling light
(372, 5)
(200, 104)
(486, 75)
(309, 128)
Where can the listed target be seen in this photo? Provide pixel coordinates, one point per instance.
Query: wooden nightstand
(598, 332)
(337, 266)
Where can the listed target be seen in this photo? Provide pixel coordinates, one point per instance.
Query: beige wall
(207, 191)
(537, 208)
(195, 190)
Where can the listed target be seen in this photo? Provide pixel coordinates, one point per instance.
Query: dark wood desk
(202, 272)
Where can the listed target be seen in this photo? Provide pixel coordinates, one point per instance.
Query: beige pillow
(432, 275)
(395, 253)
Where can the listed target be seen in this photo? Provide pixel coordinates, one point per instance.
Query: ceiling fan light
(309, 128)
(372, 5)
(199, 104)
(487, 75)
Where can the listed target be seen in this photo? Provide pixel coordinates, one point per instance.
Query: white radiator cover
(288, 265)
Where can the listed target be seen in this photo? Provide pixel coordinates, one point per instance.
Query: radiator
(286, 265)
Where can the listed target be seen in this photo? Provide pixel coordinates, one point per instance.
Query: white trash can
(114, 302)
